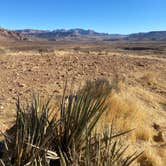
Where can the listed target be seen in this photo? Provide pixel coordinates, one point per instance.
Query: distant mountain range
(78, 34)
(153, 35)
(63, 34)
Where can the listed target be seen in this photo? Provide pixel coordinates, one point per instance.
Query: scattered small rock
(21, 85)
(56, 91)
(140, 64)
(156, 126)
(158, 137)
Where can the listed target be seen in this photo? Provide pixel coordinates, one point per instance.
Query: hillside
(59, 33)
(154, 35)
(6, 35)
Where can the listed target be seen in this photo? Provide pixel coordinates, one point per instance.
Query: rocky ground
(25, 71)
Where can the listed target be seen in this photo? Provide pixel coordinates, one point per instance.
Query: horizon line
(50, 29)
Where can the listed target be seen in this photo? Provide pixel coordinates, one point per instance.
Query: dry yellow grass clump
(132, 107)
(149, 78)
(150, 157)
(127, 112)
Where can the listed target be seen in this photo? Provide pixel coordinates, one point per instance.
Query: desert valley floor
(140, 75)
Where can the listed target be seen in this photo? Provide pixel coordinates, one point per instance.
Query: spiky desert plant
(103, 149)
(79, 114)
(75, 140)
(39, 138)
(28, 141)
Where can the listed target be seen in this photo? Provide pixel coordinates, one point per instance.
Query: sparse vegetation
(149, 78)
(40, 137)
(136, 102)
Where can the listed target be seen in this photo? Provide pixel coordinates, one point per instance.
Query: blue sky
(112, 16)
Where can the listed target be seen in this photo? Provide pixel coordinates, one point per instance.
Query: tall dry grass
(150, 157)
(127, 112)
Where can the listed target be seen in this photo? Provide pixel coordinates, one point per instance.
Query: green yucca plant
(103, 149)
(78, 118)
(27, 142)
(75, 140)
(40, 137)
